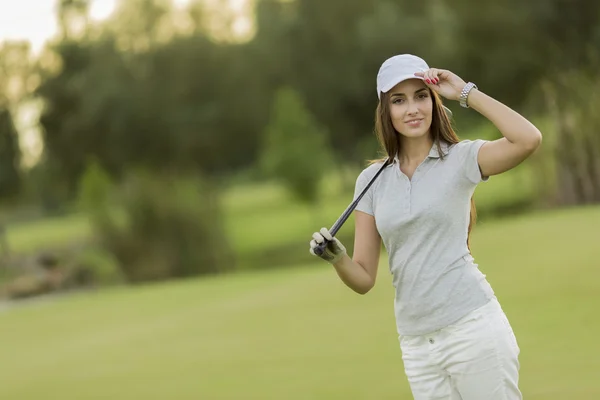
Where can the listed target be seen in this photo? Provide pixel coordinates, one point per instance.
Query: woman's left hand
(444, 82)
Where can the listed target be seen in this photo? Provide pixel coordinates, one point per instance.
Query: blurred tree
(328, 67)
(295, 148)
(178, 103)
(573, 100)
(73, 18)
(160, 226)
(140, 25)
(10, 176)
(553, 44)
(94, 191)
(15, 72)
(336, 48)
(510, 45)
(153, 88)
(499, 46)
(66, 138)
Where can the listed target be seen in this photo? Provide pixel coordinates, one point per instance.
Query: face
(411, 108)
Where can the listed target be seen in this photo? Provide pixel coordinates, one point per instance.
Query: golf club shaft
(320, 248)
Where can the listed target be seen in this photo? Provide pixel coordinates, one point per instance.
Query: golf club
(320, 248)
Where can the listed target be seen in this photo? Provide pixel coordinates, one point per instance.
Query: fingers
(318, 238)
(432, 76)
(424, 76)
(326, 234)
(335, 249)
(427, 77)
(323, 234)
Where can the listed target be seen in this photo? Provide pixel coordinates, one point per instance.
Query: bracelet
(464, 94)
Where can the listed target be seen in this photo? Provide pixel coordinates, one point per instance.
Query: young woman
(455, 339)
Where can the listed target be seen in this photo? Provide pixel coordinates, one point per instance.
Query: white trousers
(474, 359)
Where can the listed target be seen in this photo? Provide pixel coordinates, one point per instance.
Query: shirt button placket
(407, 206)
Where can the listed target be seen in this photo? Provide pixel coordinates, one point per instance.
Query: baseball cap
(398, 69)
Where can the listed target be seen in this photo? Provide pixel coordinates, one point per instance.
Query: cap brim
(393, 83)
(390, 85)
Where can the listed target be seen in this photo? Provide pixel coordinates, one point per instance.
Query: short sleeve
(469, 150)
(366, 202)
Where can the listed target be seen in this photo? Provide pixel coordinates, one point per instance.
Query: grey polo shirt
(423, 224)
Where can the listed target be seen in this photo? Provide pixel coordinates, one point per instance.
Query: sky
(35, 20)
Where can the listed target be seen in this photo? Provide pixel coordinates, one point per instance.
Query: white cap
(397, 69)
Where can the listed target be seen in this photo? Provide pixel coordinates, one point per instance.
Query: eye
(397, 100)
(422, 96)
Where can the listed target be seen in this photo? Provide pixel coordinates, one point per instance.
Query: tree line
(154, 88)
(125, 93)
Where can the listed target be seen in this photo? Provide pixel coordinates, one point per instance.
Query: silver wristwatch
(464, 94)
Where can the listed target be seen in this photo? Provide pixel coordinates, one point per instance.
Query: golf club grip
(320, 248)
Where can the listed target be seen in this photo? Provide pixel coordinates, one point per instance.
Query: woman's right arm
(360, 271)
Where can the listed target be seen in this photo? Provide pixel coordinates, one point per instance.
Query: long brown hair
(441, 131)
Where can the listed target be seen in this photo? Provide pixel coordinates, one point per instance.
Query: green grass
(300, 334)
(510, 189)
(45, 233)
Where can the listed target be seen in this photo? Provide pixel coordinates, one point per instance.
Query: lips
(414, 122)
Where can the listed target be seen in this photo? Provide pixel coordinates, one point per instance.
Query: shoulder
(465, 155)
(466, 148)
(370, 171)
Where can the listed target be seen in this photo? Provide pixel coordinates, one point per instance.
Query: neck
(413, 151)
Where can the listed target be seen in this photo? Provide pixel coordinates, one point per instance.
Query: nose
(412, 108)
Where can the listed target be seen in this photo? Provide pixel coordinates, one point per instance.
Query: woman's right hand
(334, 251)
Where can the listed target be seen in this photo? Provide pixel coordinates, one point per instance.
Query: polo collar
(433, 152)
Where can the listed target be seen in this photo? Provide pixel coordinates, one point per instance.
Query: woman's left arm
(521, 137)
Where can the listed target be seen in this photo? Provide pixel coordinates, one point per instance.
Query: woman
(455, 339)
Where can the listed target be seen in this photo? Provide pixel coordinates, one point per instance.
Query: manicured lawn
(300, 334)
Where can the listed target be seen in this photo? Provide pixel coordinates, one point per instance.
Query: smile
(414, 122)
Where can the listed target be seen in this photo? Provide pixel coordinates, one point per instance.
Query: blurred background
(164, 163)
